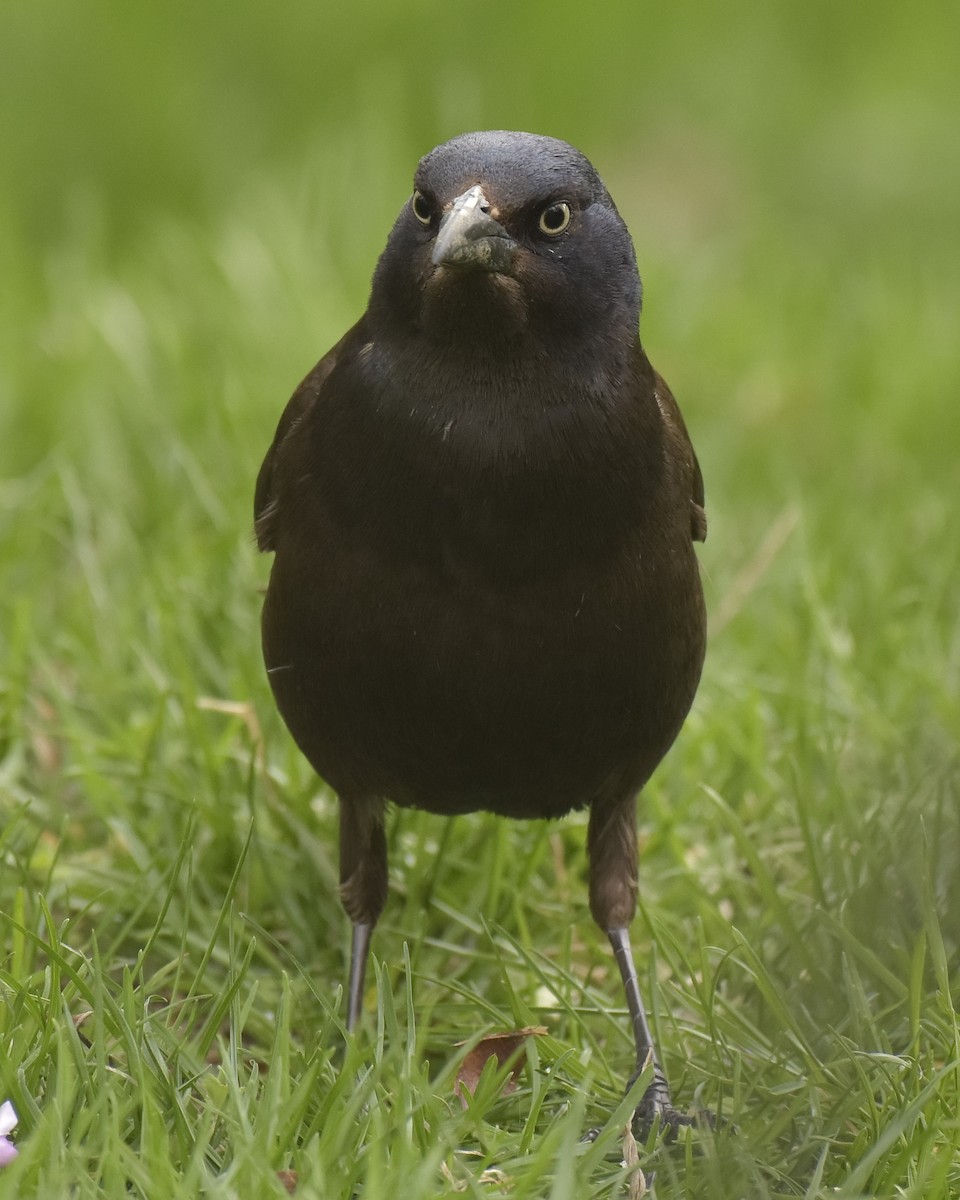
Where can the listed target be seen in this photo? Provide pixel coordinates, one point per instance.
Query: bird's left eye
(555, 218)
(421, 208)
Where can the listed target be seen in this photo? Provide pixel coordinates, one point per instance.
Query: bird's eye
(555, 218)
(421, 208)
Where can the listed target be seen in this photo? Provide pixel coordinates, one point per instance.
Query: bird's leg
(656, 1099)
(363, 886)
(359, 953)
(612, 847)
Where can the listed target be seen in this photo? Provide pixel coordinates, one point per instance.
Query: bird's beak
(470, 237)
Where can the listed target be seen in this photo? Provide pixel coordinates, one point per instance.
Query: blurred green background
(192, 199)
(787, 171)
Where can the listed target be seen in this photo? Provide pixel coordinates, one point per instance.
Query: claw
(656, 1108)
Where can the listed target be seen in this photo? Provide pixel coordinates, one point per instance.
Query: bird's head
(508, 236)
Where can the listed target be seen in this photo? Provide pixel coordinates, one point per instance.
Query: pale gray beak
(470, 237)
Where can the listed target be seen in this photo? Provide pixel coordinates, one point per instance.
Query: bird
(482, 504)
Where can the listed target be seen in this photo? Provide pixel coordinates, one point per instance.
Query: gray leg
(642, 1037)
(359, 953)
(656, 1099)
(363, 886)
(612, 846)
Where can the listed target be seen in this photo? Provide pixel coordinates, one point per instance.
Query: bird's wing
(266, 510)
(670, 411)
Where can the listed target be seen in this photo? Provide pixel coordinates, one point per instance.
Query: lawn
(192, 201)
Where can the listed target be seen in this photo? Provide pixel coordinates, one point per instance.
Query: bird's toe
(656, 1108)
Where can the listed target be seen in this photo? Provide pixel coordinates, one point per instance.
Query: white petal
(8, 1118)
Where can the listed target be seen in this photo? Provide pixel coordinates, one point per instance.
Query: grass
(193, 219)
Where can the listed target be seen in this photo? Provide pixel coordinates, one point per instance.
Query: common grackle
(483, 503)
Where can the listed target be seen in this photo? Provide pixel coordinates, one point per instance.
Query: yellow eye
(555, 218)
(421, 208)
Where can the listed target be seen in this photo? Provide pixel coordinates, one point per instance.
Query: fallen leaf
(637, 1185)
(504, 1047)
(79, 1020)
(458, 1185)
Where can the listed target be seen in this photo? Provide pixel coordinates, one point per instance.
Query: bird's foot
(656, 1108)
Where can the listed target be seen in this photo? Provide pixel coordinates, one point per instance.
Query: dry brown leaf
(504, 1047)
(637, 1185)
(458, 1185)
(79, 1020)
(289, 1180)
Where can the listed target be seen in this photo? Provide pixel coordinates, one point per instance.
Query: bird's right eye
(421, 208)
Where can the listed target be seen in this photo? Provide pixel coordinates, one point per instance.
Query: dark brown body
(496, 610)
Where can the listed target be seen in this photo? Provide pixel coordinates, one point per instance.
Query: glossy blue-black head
(511, 234)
